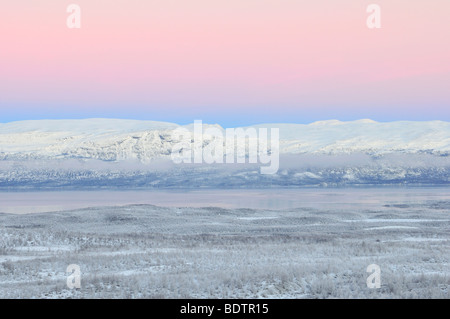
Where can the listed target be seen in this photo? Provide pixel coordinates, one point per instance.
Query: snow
(44, 248)
(401, 220)
(111, 153)
(364, 135)
(146, 251)
(391, 227)
(115, 139)
(257, 218)
(86, 126)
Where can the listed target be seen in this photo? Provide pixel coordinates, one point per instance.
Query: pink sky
(279, 60)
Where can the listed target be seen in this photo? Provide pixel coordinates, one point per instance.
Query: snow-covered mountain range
(72, 152)
(111, 140)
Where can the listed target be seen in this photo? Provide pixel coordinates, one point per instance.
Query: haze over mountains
(129, 153)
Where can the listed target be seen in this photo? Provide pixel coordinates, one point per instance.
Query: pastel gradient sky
(232, 62)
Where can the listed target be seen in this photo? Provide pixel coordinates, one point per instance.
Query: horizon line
(366, 120)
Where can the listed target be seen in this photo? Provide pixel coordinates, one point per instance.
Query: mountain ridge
(124, 154)
(115, 140)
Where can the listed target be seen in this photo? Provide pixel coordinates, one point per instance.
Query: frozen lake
(339, 199)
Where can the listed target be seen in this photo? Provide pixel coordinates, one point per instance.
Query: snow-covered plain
(145, 251)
